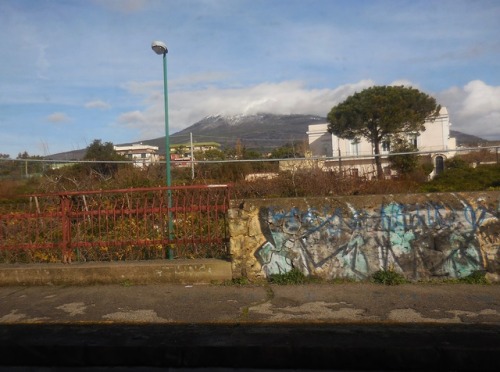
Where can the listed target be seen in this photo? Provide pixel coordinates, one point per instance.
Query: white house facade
(141, 155)
(356, 156)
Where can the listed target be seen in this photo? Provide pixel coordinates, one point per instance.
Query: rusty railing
(112, 225)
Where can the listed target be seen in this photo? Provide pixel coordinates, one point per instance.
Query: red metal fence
(111, 225)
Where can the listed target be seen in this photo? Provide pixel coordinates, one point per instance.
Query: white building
(356, 157)
(141, 155)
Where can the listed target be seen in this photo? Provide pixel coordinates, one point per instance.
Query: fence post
(66, 228)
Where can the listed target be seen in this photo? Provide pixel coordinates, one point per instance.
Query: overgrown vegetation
(477, 277)
(389, 277)
(406, 164)
(302, 183)
(386, 277)
(291, 277)
(25, 177)
(460, 176)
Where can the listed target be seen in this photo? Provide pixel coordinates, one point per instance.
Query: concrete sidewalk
(318, 303)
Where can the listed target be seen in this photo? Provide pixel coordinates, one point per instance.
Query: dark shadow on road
(252, 346)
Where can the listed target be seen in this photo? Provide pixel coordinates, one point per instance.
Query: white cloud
(474, 108)
(187, 107)
(97, 104)
(132, 117)
(58, 117)
(480, 98)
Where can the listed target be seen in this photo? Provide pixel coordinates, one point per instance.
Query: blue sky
(72, 71)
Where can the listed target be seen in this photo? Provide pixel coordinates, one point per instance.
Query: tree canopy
(104, 152)
(378, 112)
(403, 164)
(288, 150)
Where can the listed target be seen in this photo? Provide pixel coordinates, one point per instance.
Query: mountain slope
(466, 140)
(261, 132)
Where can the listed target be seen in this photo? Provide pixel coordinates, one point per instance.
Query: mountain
(261, 132)
(68, 155)
(467, 140)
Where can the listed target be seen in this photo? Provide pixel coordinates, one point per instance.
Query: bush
(294, 276)
(460, 177)
(477, 277)
(388, 277)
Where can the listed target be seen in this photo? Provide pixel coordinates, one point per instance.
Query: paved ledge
(197, 271)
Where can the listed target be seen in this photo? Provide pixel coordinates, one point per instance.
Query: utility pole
(192, 155)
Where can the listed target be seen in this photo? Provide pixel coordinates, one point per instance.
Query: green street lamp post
(160, 48)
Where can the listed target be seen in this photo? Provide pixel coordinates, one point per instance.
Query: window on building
(354, 147)
(412, 139)
(386, 145)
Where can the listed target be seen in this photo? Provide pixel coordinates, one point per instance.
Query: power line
(312, 158)
(245, 138)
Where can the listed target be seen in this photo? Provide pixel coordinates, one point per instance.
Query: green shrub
(477, 277)
(294, 276)
(388, 277)
(461, 178)
(238, 281)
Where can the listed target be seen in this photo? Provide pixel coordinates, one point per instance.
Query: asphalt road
(325, 303)
(337, 327)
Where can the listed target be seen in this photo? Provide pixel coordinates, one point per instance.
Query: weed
(233, 282)
(388, 277)
(477, 277)
(127, 283)
(343, 281)
(244, 312)
(240, 281)
(294, 276)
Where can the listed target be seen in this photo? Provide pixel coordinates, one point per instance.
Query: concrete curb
(198, 271)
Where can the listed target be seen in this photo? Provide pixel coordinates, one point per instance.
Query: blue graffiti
(430, 239)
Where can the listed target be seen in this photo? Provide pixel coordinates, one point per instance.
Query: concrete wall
(422, 236)
(187, 271)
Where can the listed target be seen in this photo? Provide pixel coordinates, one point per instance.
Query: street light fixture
(160, 48)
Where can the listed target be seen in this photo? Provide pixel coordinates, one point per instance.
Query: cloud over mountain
(476, 105)
(474, 108)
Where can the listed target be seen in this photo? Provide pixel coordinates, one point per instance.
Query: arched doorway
(439, 164)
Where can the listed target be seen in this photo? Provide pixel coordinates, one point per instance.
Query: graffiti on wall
(425, 240)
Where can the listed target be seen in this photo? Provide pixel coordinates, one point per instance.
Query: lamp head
(159, 47)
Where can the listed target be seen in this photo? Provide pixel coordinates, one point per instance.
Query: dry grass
(317, 183)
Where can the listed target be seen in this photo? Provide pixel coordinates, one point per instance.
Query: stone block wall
(422, 236)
